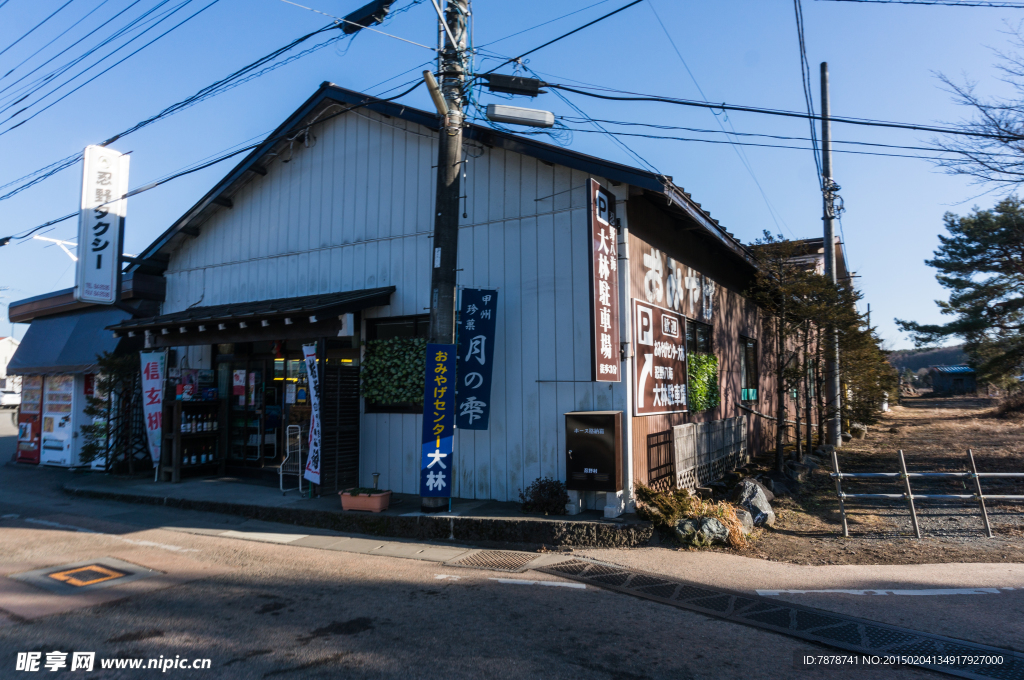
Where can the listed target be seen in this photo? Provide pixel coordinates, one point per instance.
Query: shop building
(324, 234)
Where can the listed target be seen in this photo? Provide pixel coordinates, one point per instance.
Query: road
(266, 610)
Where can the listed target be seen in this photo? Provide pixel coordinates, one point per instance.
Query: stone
(751, 497)
(737, 491)
(894, 430)
(712, 531)
(846, 436)
(686, 530)
(825, 451)
(798, 472)
(746, 521)
(703, 492)
(780, 488)
(858, 431)
(811, 462)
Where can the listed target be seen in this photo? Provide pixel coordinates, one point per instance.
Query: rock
(798, 472)
(751, 497)
(894, 430)
(811, 462)
(825, 451)
(846, 437)
(713, 531)
(780, 489)
(737, 491)
(858, 431)
(746, 521)
(703, 492)
(686, 529)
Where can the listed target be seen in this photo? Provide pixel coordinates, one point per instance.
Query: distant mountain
(923, 358)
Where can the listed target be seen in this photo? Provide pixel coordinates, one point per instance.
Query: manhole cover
(497, 560)
(88, 575)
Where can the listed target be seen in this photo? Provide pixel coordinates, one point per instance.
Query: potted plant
(364, 498)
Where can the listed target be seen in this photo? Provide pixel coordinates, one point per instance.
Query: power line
(805, 78)
(549, 21)
(31, 30)
(61, 35)
(950, 3)
(339, 20)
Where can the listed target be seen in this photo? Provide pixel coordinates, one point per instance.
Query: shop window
(749, 375)
(394, 344)
(698, 337)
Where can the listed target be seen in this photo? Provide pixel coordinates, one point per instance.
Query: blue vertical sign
(477, 319)
(437, 465)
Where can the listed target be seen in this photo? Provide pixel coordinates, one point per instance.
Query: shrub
(545, 495)
(666, 509)
(393, 370)
(1012, 406)
(703, 370)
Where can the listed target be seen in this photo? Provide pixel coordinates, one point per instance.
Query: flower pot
(375, 502)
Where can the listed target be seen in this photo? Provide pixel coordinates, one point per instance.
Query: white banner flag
(313, 462)
(100, 223)
(153, 372)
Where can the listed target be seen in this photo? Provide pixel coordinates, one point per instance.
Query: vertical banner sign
(313, 462)
(477, 320)
(604, 284)
(101, 225)
(437, 465)
(153, 372)
(659, 362)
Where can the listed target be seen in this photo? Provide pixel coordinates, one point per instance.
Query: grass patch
(666, 509)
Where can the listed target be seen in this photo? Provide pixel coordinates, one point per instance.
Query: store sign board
(101, 225)
(312, 472)
(477, 321)
(659, 362)
(666, 282)
(604, 284)
(153, 372)
(437, 461)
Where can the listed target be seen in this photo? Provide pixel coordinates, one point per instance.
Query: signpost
(659, 367)
(477, 320)
(312, 472)
(101, 226)
(604, 284)
(437, 464)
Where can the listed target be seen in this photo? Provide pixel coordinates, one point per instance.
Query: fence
(909, 495)
(703, 452)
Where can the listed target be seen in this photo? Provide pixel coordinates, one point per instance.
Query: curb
(426, 528)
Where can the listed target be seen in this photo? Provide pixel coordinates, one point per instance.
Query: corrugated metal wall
(355, 211)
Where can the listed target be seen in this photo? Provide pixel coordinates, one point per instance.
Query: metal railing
(909, 495)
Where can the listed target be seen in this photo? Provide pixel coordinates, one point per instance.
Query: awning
(67, 343)
(307, 316)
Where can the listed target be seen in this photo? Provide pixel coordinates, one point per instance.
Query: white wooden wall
(355, 210)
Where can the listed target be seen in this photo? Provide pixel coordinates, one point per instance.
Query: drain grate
(496, 560)
(828, 628)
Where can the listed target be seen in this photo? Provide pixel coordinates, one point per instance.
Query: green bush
(393, 371)
(704, 392)
(545, 495)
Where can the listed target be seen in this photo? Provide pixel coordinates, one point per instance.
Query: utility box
(593, 451)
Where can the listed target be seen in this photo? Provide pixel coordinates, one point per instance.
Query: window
(409, 328)
(698, 337)
(748, 369)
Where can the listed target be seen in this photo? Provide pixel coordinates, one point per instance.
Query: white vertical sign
(100, 225)
(153, 372)
(313, 462)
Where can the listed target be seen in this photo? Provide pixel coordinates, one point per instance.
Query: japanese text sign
(437, 467)
(477, 320)
(312, 472)
(604, 283)
(101, 225)
(153, 372)
(666, 282)
(659, 363)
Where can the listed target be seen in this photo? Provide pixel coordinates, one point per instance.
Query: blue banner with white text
(476, 329)
(437, 466)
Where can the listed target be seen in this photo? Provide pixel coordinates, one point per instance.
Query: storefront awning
(307, 316)
(67, 343)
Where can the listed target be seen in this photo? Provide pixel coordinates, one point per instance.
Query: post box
(593, 451)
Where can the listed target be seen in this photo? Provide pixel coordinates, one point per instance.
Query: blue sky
(883, 60)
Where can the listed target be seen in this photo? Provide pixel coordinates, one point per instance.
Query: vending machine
(63, 403)
(30, 419)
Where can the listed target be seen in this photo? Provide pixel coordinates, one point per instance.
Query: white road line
(521, 582)
(888, 591)
(9, 516)
(263, 537)
(144, 544)
(446, 577)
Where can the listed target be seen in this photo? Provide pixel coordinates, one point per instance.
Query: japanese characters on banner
(659, 360)
(604, 284)
(154, 366)
(477, 319)
(437, 464)
(100, 225)
(312, 472)
(668, 283)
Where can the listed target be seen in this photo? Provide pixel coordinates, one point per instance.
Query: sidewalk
(486, 522)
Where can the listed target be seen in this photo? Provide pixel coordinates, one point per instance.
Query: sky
(884, 61)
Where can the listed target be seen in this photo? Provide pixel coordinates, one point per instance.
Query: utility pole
(829, 189)
(444, 258)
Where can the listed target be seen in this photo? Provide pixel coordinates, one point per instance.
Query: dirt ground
(934, 435)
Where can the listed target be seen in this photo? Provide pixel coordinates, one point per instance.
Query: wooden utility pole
(444, 258)
(829, 188)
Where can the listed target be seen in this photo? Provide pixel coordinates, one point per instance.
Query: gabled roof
(952, 369)
(154, 257)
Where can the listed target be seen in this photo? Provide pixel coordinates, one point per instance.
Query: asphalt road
(263, 610)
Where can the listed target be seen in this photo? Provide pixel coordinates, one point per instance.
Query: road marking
(446, 577)
(888, 591)
(133, 541)
(579, 586)
(9, 516)
(263, 537)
